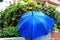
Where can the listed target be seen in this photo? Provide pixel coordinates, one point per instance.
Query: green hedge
(52, 12)
(10, 16)
(8, 32)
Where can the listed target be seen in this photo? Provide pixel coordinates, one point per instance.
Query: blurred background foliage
(9, 32)
(10, 16)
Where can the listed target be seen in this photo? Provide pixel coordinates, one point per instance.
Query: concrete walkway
(47, 37)
(13, 38)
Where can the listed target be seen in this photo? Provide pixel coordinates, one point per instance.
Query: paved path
(13, 38)
(47, 37)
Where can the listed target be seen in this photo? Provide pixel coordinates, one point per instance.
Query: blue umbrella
(34, 24)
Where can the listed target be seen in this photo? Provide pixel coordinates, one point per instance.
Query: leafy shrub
(11, 15)
(0, 32)
(53, 13)
(9, 32)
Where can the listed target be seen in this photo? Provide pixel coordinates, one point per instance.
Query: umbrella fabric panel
(38, 28)
(26, 29)
(47, 25)
(45, 19)
(25, 16)
(20, 22)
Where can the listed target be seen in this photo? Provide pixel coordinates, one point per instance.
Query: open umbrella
(34, 24)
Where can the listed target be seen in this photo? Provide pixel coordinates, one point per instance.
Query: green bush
(0, 33)
(53, 13)
(9, 32)
(11, 14)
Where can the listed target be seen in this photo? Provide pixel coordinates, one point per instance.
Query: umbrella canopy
(34, 24)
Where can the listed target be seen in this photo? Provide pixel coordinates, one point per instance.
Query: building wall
(51, 2)
(57, 4)
(4, 4)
